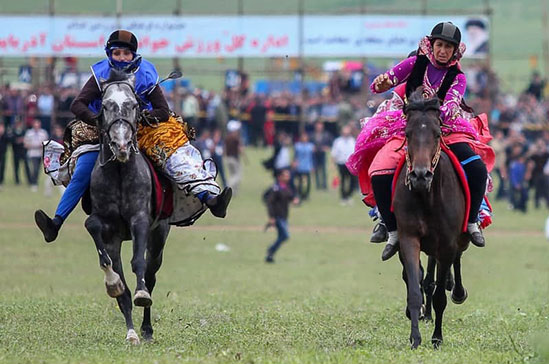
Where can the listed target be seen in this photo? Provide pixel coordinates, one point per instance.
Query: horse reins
(434, 160)
(434, 164)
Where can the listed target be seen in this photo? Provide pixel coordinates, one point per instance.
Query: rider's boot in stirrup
(391, 247)
(476, 235)
(379, 234)
(218, 204)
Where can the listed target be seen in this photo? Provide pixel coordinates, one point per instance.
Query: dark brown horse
(429, 204)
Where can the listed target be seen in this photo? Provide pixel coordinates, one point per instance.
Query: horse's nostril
(420, 174)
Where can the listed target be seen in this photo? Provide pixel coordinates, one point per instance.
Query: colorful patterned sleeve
(399, 73)
(450, 108)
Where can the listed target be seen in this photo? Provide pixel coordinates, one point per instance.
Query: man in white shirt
(33, 143)
(190, 109)
(45, 104)
(343, 147)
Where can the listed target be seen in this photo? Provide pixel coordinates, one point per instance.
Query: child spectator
(277, 199)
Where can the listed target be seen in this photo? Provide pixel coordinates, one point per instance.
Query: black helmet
(448, 32)
(122, 38)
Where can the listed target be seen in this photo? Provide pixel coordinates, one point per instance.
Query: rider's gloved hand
(382, 83)
(147, 119)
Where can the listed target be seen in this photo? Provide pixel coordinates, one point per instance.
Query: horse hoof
(459, 300)
(414, 343)
(147, 333)
(142, 298)
(115, 289)
(147, 337)
(113, 283)
(132, 337)
(437, 342)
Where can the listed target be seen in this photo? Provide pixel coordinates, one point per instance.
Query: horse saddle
(162, 196)
(179, 206)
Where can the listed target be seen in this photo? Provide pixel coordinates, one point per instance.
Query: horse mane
(416, 102)
(117, 75)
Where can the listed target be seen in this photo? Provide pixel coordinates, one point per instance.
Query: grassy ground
(328, 299)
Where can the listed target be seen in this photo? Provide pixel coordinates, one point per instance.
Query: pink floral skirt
(376, 150)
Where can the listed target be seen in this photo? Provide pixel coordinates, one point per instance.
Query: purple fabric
(385, 124)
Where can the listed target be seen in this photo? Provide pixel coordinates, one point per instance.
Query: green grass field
(328, 299)
(517, 31)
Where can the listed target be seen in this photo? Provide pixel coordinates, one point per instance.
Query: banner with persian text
(234, 36)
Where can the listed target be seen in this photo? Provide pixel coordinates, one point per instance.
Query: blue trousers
(283, 235)
(78, 185)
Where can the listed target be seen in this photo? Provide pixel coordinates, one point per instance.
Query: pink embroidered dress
(385, 129)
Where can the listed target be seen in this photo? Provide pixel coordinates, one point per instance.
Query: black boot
(476, 235)
(478, 240)
(218, 204)
(389, 251)
(49, 227)
(379, 234)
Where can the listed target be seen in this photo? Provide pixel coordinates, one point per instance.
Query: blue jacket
(146, 77)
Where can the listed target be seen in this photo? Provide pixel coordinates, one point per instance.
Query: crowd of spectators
(305, 131)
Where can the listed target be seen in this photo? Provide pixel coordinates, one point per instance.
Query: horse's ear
(131, 79)
(102, 83)
(417, 95)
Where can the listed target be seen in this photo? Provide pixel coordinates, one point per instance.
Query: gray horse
(120, 192)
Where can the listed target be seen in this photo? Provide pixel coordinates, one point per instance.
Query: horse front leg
(409, 257)
(439, 297)
(429, 287)
(405, 279)
(97, 229)
(459, 293)
(125, 300)
(155, 249)
(139, 227)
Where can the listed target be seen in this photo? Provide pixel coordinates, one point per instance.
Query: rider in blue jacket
(121, 53)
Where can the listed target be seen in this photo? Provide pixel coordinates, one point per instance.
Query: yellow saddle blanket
(160, 141)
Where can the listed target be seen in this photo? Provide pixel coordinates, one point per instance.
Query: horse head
(120, 111)
(423, 136)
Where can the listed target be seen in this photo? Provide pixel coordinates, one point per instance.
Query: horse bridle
(105, 133)
(434, 160)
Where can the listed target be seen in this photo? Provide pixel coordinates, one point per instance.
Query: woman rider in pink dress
(375, 158)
